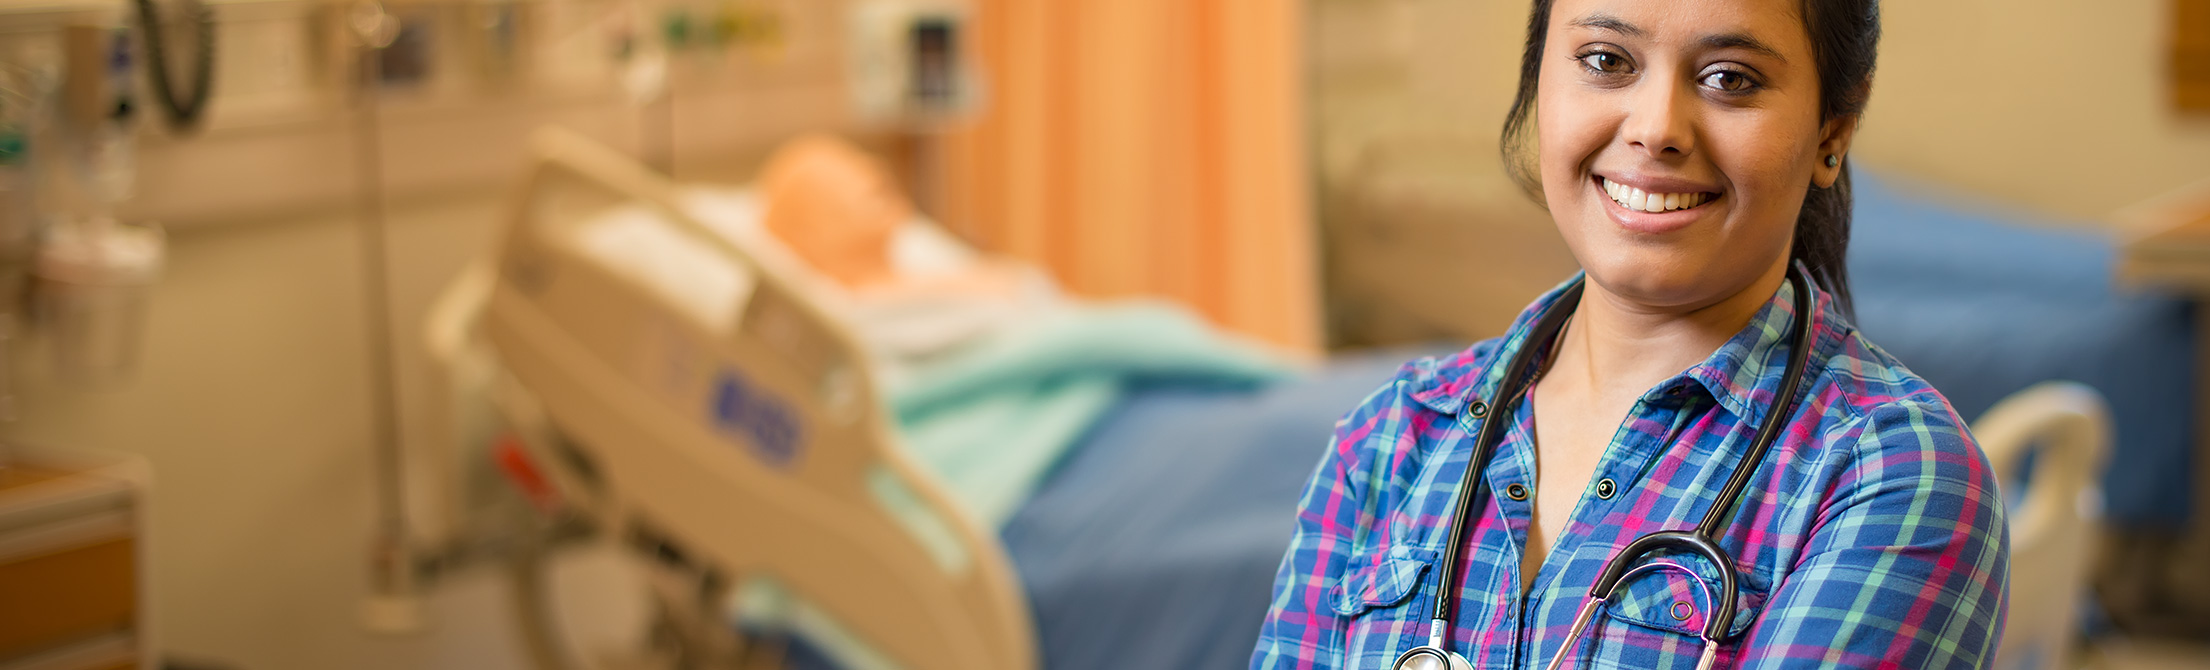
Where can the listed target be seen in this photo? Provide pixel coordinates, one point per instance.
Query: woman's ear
(1834, 137)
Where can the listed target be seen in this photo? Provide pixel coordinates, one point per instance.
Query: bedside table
(72, 563)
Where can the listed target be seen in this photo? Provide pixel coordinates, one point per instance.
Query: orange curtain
(1146, 147)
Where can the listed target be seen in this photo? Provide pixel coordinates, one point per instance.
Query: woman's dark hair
(1845, 40)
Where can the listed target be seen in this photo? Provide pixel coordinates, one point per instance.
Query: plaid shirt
(1872, 535)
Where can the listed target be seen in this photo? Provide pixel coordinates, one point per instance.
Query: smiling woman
(1688, 454)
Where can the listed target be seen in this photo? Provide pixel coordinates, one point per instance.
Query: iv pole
(392, 606)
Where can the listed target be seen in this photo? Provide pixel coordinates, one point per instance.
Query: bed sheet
(1983, 303)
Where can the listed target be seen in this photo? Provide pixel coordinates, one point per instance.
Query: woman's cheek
(1768, 174)
(1564, 153)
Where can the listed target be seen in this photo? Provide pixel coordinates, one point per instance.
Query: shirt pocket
(1657, 620)
(1380, 602)
(1384, 579)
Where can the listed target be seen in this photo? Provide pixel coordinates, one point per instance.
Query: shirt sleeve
(1301, 629)
(1908, 563)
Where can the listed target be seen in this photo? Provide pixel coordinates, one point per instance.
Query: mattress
(1983, 303)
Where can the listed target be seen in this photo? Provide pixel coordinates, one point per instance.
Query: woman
(1691, 154)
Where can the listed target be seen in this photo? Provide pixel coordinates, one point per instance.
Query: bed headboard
(759, 446)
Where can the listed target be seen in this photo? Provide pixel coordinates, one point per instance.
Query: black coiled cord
(184, 113)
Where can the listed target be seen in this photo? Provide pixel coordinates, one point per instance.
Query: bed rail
(754, 447)
(2065, 428)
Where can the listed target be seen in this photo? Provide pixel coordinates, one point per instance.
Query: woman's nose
(1661, 118)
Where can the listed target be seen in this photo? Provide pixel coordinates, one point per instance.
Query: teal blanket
(994, 417)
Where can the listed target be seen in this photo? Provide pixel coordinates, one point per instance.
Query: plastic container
(92, 284)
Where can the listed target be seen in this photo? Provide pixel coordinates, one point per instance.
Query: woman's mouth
(1636, 200)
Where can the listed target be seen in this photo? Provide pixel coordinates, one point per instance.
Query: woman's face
(1677, 141)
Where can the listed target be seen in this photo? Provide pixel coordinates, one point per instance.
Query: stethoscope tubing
(1702, 540)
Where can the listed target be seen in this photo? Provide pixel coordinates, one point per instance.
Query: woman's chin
(1656, 283)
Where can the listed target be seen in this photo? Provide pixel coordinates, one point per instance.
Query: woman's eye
(1606, 63)
(1729, 81)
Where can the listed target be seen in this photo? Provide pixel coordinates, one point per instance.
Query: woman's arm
(1302, 629)
(1908, 563)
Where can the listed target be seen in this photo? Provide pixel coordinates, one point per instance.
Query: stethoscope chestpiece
(1430, 657)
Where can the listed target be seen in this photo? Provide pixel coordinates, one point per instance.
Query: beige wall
(2048, 104)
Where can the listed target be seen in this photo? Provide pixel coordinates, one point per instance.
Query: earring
(1833, 160)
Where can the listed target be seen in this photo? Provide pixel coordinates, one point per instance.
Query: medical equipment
(93, 273)
(906, 62)
(1701, 541)
(183, 109)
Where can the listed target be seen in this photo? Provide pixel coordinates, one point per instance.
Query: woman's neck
(1618, 348)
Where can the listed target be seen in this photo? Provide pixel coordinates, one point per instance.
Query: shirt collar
(1742, 375)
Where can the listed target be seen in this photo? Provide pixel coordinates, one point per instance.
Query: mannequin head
(835, 206)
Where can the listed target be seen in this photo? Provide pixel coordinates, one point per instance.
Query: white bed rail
(756, 448)
(2065, 427)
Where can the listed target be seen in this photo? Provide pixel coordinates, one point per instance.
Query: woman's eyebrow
(1611, 23)
(1740, 41)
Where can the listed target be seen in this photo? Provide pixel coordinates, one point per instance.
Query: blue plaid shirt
(1872, 536)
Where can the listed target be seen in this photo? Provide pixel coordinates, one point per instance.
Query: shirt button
(1478, 410)
(1682, 610)
(1516, 492)
(1605, 488)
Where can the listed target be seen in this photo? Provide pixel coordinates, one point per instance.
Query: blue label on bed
(743, 410)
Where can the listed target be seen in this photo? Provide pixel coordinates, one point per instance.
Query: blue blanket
(1984, 303)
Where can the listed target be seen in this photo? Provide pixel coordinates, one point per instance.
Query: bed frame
(754, 448)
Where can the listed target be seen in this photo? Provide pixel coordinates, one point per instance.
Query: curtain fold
(1147, 147)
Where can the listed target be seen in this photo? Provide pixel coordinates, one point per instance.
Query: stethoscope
(1701, 541)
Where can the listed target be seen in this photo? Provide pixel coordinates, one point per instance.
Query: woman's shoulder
(1423, 395)
(1872, 403)
(1442, 382)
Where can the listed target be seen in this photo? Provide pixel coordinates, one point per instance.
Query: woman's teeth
(1634, 199)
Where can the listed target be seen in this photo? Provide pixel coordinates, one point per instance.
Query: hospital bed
(749, 441)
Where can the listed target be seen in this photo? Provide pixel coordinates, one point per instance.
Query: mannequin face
(1713, 105)
(835, 207)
